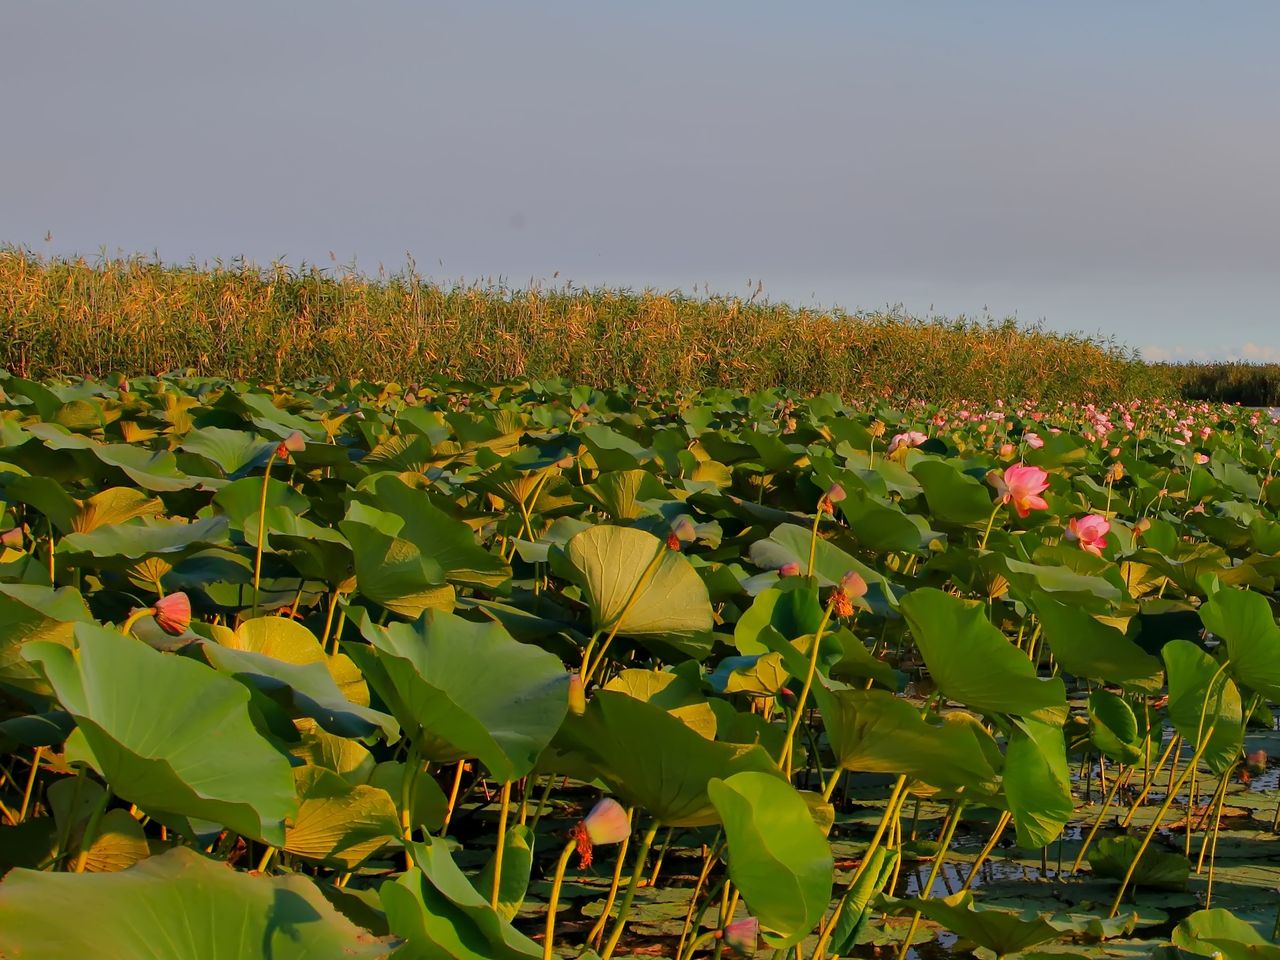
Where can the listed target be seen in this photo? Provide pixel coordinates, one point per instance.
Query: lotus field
(527, 671)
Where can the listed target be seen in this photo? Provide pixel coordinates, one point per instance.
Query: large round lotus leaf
(1037, 783)
(1084, 647)
(441, 916)
(789, 543)
(169, 734)
(1203, 702)
(1245, 621)
(1113, 727)
(654, 761)
(973, 662)
(778, 857)
(468, 689)
(339, 822)
(873, 731)
(612, 564)
(177, 904)
(1218, 932)
(233, 451)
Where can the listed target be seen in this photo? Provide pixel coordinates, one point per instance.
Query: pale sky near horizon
(1110, 168)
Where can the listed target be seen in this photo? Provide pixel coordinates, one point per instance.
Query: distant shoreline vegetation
(73, 317)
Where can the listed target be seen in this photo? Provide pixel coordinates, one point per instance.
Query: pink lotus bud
(293, 443)
(742, 936)
(1006, 451)
(684, 530)
(173, 613)
(1256, 761)
(835, 493)
(791, 569)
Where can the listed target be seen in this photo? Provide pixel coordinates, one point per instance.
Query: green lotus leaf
(121, 545)
(1218, 932)
(339, 823)
(395, 573)
(190, 751)
(29, 613)
(438, 913)
(791, 608)
(1204, 703)
(653, 761)
(1085, 647)
(634, 584)
(1113, 727)
(135, 912)
(1244, 620)
(517, 863)
(789, 543)
(1037, 783)
(873, 731)
(1003, 932)
(463, 689)
(973, 662)
(778, 858)
(953, 497)
(1110, 857)
(234, 452)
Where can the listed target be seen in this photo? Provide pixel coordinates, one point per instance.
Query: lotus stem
(700, 942)
(944, 842)
(266, 859)
(548, 941)
(982, 545)
(328, 625)
(690, 922)
(502, 843)
(542, 799)
(596, 935)
(788, 742)
(1116, 784)
(1213, 842)
(813, 538)
(91, 831)
(262, 532)
(31, 782)
(1147, 781)
(642, 854)
(893, 806)
(132, 620)
(662, 852)
(1001, 825)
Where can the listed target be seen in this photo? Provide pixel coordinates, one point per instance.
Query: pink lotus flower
(912, 438)
(1022, 486)
(791, 569)
(1090, 531)
(1033, 440)
(742, 936)
(173, 614)
(606, 823)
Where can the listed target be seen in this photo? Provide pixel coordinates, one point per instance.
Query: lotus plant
(607, 823)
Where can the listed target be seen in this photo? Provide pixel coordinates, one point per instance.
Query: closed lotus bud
(1006, 451)
(835, 493)
(577, 695)
(684, 530)
(791, 569)
(742, 936)
(1256, 761)
(173, 613)
(293, 443)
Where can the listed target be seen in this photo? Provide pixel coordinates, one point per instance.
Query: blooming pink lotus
(1022, 486)
(1033, 440)
(1090, 531)
(912, 438)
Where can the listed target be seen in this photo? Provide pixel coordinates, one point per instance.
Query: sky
(1108, 168)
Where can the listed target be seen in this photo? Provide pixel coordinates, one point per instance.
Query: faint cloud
(1249, 352)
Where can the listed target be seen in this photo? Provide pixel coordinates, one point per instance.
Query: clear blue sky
(1106, 167)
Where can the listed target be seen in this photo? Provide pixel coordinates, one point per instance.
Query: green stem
(1116, 783)
(31, 782)
(943, 843)
(548, 942)
(132, 620)
(91, 831)
(789, 741)
(990, 522)
(1001, 825)
(266, 859)
(701, 941)
(596, 934)
(642, 854)
(813, 538)
(502, 844)
(262, 533)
